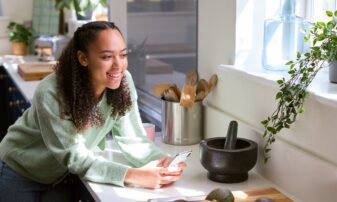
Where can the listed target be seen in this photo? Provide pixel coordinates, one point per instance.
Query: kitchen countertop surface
(26, 87)
(193, 183)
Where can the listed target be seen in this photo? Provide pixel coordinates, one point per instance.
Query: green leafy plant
(293, 92)
(80, 6)
(19, 33)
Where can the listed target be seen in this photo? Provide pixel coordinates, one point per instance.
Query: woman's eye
(124, 55)
(106, 57)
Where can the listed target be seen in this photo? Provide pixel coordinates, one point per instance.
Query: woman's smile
(114, 76)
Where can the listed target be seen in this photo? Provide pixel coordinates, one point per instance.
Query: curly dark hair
(75, 93)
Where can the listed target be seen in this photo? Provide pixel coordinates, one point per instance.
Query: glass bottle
(284, 37)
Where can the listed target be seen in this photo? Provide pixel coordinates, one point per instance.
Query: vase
(87, 15)
(283, 37)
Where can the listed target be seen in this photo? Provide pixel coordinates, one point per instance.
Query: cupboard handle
(16, 103)
(11, 89)
(3, 76)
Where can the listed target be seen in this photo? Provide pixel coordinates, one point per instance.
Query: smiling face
(106, 60)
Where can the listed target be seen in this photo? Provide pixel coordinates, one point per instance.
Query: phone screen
(180, 157)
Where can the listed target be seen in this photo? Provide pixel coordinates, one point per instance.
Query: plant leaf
(329, 13)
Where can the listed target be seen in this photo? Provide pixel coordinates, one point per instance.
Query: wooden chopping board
(240, 196)
(252, 194)
(35, 71)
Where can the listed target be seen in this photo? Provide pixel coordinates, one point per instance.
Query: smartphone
(180, 157)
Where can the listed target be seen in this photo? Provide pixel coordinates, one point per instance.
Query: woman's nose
(118, 63)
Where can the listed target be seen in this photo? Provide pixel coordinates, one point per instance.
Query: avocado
(220, 195)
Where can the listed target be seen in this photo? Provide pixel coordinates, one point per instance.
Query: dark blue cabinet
(12, 102)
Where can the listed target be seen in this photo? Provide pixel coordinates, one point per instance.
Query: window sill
(320, 89)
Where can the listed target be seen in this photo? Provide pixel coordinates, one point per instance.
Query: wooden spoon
(170, 95)
(202, 90)
(188, 92)
(212, 82)
(176, 91)
(200, 96)
(159, 88)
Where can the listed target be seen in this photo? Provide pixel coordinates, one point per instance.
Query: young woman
(90, 94)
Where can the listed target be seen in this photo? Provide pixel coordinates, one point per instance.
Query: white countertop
(193, 183)
(27, 88)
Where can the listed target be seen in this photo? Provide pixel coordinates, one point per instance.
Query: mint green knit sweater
(45, 148)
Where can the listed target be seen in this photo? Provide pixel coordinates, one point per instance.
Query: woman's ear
(82, 58)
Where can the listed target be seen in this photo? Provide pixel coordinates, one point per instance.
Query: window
(162, 43)
(250, 21)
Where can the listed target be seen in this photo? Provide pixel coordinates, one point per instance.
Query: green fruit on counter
(220, 195)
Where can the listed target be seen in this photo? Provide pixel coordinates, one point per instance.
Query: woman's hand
(153, 176)
(172, 170)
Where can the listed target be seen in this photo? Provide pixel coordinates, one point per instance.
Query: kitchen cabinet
(12, 102)
(3, 99)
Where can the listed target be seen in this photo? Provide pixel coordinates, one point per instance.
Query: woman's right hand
(150, 176)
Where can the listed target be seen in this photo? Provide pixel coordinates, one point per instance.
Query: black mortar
(228, 164)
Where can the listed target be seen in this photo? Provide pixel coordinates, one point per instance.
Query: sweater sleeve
(130, 135)
(68, 147)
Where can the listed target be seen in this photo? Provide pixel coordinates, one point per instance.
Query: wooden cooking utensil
(212, 82)
(202, 90)
(176, 91)
(191, 78)
(200, 96)
(188, 92)
(187, 96)
(159, 88)
(170, 95)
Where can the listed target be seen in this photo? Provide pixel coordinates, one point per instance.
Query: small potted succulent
(20, 36)
(292, 92)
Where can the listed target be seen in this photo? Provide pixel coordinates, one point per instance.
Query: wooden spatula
(188, 92)
(191, 78)
(187, 96)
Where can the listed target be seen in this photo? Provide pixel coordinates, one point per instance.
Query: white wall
(5, 44)
(118, 15)
(216, 33)
(18, 10)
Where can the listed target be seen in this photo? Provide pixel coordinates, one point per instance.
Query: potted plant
(292, 92)
(84, 8)
(20, 36)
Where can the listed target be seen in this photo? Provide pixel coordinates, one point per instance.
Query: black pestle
(232, 131)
